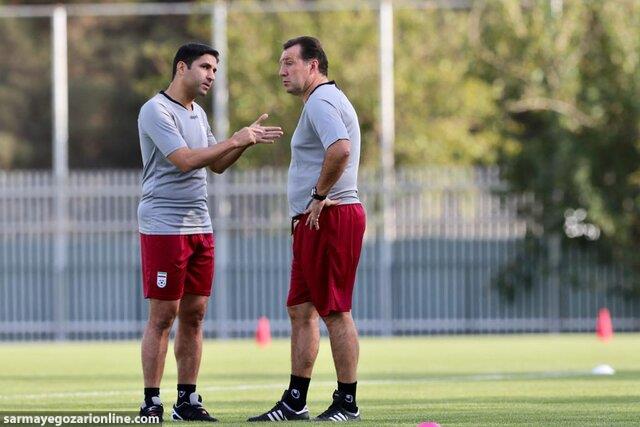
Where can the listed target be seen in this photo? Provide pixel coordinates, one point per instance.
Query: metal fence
(74, 272)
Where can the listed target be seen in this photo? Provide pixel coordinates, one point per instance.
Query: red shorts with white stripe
(323, 270)
(173, 265)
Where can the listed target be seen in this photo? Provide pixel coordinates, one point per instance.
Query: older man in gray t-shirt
(328, 223)
(327, 117)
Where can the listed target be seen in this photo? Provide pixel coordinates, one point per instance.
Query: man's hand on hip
(314, 209)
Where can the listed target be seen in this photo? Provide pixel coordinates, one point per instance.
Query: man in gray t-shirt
(176, 240)
(328, 227)
(327, 117)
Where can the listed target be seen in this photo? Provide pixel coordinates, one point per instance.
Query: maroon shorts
(173, 265)
(323, 270)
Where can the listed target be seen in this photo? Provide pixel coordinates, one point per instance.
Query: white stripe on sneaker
(276, 416)
(270, 416)
(282, 415)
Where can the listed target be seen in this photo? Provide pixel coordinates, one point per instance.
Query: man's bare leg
(155, 340)
(344, 345)
(188, 342)
(305, 338)
(305, 341)
(345, 349)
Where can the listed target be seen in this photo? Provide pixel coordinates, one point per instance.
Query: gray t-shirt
(172, 202)
(327, 117)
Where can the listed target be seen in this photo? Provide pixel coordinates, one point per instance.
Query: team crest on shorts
(161, 279)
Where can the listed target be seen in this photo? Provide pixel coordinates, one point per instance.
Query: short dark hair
(189, 52)
(310, 48)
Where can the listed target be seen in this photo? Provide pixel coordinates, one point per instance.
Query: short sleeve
(326, 121)
(158, 124)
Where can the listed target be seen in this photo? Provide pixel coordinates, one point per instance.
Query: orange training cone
(263, 332)
(604, 328)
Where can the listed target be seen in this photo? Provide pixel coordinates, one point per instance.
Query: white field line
(282, 385)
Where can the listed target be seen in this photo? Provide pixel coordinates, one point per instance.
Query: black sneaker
(282, 412)
(337, 411)
(191, 411)
(154, 410)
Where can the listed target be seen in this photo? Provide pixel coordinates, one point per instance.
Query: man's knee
(193, 318)
(337, 320)
(161, 322)
(193, 309)
(303, 314)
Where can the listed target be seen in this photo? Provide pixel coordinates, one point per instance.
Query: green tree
(610, 78)
(116, 63)
(443, 111)
(25, 96)
(566, 85)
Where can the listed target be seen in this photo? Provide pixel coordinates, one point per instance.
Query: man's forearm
(335, 162)
(222, 163)
(188, 159)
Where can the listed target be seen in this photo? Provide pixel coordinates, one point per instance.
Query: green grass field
(541, 380)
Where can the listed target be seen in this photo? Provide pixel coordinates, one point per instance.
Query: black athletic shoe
(282, 412)
(191, 411)
(154, 410)
(337, 412)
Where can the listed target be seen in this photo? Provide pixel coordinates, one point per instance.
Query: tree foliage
(116, 63)
(566, 85)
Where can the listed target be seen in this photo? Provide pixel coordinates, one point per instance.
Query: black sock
(349, 391)
(296, 398)
(184, 391)
(150, 392)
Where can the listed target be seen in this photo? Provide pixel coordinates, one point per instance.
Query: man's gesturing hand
(256, 133)
(269, 133)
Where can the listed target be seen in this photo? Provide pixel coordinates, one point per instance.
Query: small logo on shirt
(295, 393)
(193, 117)
(161, 279)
